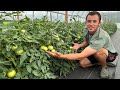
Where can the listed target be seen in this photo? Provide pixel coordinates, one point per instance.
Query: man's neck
(92, 32)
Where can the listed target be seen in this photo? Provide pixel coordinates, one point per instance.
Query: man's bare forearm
(74, 56)
(78, 56)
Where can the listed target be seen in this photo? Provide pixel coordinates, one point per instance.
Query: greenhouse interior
(28, 36)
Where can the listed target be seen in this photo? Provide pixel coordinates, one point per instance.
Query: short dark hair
(94, 13)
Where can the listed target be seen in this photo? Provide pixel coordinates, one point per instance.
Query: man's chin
(91, 30)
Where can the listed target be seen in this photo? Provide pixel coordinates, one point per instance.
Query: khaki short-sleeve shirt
(100, 39)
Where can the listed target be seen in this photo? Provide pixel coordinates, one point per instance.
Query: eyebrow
(91, 20)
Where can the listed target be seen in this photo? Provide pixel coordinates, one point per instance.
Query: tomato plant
(23, 46)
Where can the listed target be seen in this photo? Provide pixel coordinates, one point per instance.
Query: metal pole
(57, 14)
(33, 15)
(51, 16)
(66, 17)
(17, 15)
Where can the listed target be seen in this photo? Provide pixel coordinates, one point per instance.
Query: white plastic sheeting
(60, 15)
(53, 15)
(118, 25)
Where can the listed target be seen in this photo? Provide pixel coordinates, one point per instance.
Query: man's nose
(91, 23)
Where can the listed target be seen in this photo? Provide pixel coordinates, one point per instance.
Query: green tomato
(78, 36)
(19, 52)
(44, 48)
(5, 23)
(57, 37)
(69, 51)
(11, 73)
(14, 47)
(50, 47)
(71, 47)
(23, 31)
(53, 50)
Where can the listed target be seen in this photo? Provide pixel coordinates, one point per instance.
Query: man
(97, 46)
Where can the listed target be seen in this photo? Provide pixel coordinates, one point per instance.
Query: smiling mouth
(91, 28)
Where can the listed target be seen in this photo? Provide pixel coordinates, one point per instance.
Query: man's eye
(89, 21)
(94, 21)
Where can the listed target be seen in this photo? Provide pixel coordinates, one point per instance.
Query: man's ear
(101, 21)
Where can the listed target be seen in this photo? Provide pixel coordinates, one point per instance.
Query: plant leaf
(29, 69)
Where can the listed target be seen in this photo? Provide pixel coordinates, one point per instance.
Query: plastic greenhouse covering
(60, 15)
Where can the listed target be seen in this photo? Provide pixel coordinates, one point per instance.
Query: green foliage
(110, 27)
(28, 59)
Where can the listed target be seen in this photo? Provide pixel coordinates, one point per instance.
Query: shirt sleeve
(97, 43)
(84, 33)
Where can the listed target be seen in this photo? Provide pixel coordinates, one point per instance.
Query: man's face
(92, 23)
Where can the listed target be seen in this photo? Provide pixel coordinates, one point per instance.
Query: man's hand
(76, 46)
(54, 54)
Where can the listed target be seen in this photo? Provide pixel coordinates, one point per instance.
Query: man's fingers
(49, 52)
(55, 54)
(58, 53)
(72, 43)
